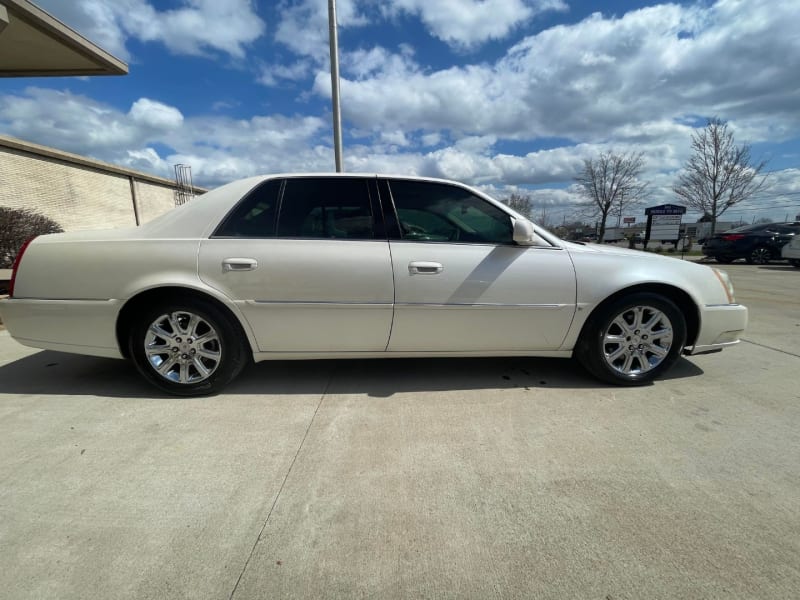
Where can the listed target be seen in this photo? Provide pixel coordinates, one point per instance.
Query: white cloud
(155, 115)
(303, 27)
(276, 74)
(363, 64)
(195, 27)
(467, 23)
(218, 148)
(67, 121)
(586, 80)
(145, 159)
(431, 139)
(395, 138)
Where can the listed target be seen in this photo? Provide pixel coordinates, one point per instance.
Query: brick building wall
(78, 192)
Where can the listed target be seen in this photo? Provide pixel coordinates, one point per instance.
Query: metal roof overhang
(35, 44)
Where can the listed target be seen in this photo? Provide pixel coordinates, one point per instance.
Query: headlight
(725, 280)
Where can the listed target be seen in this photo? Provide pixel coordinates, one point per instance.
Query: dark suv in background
(757, 244)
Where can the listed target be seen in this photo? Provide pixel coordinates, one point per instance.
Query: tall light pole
(337, 109)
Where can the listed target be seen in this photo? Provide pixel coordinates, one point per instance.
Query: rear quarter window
(255, 214)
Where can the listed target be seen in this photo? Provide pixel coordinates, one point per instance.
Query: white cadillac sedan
(354, 266)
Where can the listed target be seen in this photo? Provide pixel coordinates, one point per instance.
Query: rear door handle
(421, 267)
(239, 264)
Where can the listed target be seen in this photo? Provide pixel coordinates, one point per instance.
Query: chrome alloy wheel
(182, 347)
(637, 340)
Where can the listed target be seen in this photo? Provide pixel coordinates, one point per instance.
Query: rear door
(462, 284)
(307, 261)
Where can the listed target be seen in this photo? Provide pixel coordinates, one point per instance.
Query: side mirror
(524, 234)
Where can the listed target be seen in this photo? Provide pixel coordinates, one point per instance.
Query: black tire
(198, 347)
(660, 349)
(725, 260)
(794, 262)
(759, 256)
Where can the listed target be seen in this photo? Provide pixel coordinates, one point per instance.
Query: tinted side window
(255, 215)
(326, 207)
(437, 212)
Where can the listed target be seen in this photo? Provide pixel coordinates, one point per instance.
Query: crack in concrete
(283, 483)
(771, 348)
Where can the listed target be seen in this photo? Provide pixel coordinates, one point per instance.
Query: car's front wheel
(187, 347)
(760, 256)
(633, 340)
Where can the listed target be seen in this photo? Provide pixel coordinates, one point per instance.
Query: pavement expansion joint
(771, 348)
(283, 483)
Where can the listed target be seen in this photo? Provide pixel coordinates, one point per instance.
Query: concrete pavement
(505, 478)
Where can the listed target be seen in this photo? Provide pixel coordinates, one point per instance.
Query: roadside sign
(664, 222)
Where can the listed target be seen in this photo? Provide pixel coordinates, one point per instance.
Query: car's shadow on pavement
(56, 373)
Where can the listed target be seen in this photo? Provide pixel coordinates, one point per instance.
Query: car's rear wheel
(760, 256)
(633, 340)
(187, 347)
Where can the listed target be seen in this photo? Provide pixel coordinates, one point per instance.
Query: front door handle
(239, 264)
(421, 267)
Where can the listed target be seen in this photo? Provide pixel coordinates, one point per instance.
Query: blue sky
(507, 95)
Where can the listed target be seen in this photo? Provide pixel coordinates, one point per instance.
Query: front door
(462, 284)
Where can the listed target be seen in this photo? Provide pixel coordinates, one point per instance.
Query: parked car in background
(358, 266)
(757, 244)
(791, 252)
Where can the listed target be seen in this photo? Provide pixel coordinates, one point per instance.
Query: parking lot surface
(434, 478)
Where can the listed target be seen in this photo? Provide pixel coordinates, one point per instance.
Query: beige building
(79, 192)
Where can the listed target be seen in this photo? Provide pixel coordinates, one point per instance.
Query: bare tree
(610, 184)
(719, 174)
(17, 225)
(521, 203)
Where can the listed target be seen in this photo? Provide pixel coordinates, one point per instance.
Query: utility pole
(337, 109)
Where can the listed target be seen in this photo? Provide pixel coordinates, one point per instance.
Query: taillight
(15, 266)
(732, 237)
